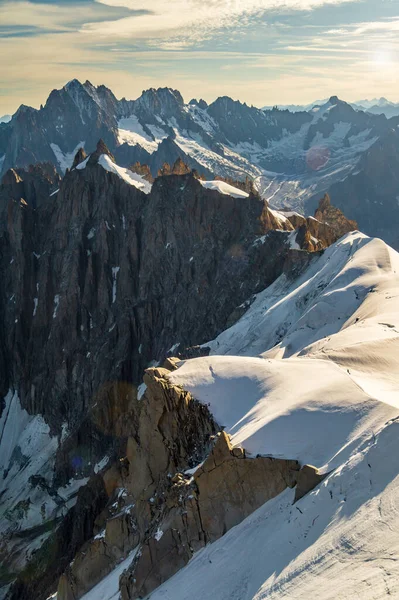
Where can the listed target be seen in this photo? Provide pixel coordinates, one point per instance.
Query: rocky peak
(11, 177)
(101, 148)
(80, 156)
(143, 170)
(180, 167)
(23, 110)
(162, 101)
(200, 103)
(334, 217)
(104, 98)
(246, 186)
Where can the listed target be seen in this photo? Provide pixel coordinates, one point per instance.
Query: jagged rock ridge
(294, 158)
(99, 280)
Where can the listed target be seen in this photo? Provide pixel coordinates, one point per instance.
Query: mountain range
(199, 364)
(377, 106)
(292, 157)
(191, 381)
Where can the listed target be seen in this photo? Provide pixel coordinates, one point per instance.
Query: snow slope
(340, 542)
(65, 159)
(27, 451)
(130, 131)
(224, 188)
(125, 174)
(310, 372)
(303, 409)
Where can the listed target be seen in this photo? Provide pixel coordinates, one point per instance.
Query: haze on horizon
(263, 52)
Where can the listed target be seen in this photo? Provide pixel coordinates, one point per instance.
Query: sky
(263, 52)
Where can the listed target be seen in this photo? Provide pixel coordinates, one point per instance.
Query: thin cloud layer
(189, 22)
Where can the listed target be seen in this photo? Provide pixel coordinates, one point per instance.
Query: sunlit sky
(259, 51)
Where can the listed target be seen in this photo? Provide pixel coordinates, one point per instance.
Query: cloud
(280, 55)
(188, 22)
(60, 16)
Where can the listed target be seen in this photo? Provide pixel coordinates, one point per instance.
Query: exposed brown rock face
(226, 489)
(171, 432)
(334, 217)
(178, 168)
(231, 485)
(143, 170)
(80, 156)
(246, 186)
(164, 170)
(104, 280)
(309, 477)
(327, 226)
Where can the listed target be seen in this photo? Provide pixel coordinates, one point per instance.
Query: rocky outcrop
(179, 168)
(246, 186)
(232, 485)
(309, 477)
(325, 228)
(143, 170)
(224, 490)
(171, 432)
(79, 157)
(326, 213)
(99, 280)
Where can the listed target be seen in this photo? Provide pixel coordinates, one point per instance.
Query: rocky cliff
(99, 281)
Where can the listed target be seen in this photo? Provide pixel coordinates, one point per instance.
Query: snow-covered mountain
(297, 107)
(377, 106)
(292, 157)
(327, 394)
(310, 372)
(104, 272)
(138, 457)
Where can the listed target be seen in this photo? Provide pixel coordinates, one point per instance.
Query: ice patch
(56, 304)
(224, 188)
(101, 465)
(130, 131)
(173, 348)
(125, 174)
(292, 241)
(115, 271)
(65, 160)
(141, 391)
(83, 164)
